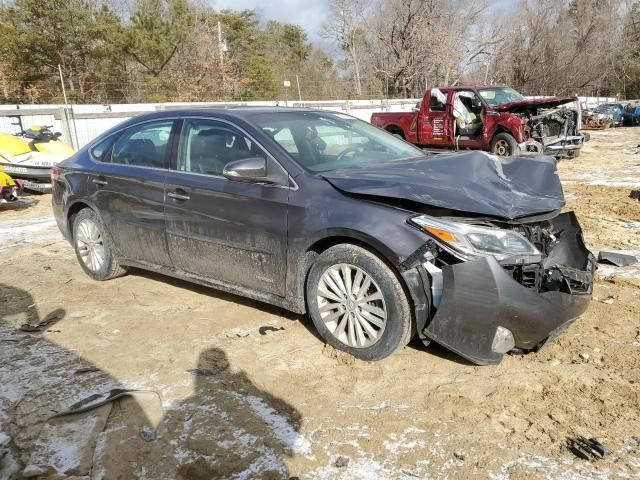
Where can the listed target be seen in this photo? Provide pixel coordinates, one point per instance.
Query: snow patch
(17, 232)
(281, 427)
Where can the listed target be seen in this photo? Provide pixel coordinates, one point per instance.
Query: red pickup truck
(493, 118)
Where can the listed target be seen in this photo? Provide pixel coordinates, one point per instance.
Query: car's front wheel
(93, 247)
(357, 303)
(504, 145)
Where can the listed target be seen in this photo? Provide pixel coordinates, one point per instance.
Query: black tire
(110, 268)
(399, 325)
(504, 145)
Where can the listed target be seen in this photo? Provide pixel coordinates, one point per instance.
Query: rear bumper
(480, 302)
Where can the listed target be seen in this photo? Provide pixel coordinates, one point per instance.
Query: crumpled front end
(483, 308)
(556, 132)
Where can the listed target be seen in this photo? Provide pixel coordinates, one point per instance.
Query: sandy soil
(223, 398)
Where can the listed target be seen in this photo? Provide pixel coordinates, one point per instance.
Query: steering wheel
(348, 151)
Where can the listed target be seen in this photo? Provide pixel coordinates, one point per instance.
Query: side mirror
(253, 169)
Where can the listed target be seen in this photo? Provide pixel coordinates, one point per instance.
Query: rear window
(143, 145)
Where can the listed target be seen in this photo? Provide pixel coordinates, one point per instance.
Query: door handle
(98, 181)
(178, 196)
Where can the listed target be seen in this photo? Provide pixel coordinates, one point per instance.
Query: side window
(207, 146)
(438, 101)
(101, 151)
(143, 145)
(285, 138)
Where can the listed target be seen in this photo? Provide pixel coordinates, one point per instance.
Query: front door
(435, 122)
(127, 187)
(225, 230)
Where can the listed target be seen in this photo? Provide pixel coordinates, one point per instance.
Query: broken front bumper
(557, 147)
(484, 312)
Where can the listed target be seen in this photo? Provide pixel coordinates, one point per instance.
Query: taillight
(55, 173)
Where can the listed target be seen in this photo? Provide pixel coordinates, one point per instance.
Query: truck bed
(402, 120)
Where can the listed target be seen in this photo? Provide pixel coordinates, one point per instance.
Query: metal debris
(201, 372)
(264, 330)
(98, 399)
(587, 449)
(617, 259)
(82, 370)
(148, 435)
(635, 194)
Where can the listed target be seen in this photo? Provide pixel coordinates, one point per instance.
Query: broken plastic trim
(479, 296)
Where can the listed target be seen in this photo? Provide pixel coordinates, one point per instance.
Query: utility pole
(299, 91)
(74, 142)
(64, 91)
(221, 48)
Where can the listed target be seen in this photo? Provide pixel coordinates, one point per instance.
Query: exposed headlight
(471, 240)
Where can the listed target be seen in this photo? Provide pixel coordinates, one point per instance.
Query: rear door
(224, 230)
(127, 187)
(435, 121)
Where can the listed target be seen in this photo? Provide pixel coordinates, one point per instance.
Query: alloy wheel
(90, 244)
(351, 305)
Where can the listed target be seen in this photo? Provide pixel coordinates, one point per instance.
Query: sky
(309, 14)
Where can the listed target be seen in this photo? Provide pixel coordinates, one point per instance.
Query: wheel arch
(72, 212)
(395, 130)
(351, 237)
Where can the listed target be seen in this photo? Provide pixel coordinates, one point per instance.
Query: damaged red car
(492, 118)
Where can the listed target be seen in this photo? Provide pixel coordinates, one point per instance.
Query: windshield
(322, 141)
(497, 96)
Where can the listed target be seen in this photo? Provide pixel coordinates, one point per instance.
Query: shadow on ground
(228, 427)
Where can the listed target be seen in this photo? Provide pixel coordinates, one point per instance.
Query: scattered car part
(98, 399)
(200, 372)
(586, 449)
(148, 435)
(617, 259)
(264, 330)
(635, 194)
(83, 370)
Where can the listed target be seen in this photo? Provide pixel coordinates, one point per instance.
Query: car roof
(238, 112)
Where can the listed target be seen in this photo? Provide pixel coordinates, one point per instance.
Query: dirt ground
(220, 396)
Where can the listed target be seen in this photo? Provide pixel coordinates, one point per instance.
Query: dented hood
(544, 102)
(473, 182)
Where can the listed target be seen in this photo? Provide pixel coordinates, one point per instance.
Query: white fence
(79, 124)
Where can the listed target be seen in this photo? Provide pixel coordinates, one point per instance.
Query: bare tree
(345, 26)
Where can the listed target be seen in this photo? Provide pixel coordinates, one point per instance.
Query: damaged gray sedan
(323, 214)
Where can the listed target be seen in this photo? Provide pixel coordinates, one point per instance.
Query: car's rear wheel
(94, 248)
(357, 303)
(504, 145)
